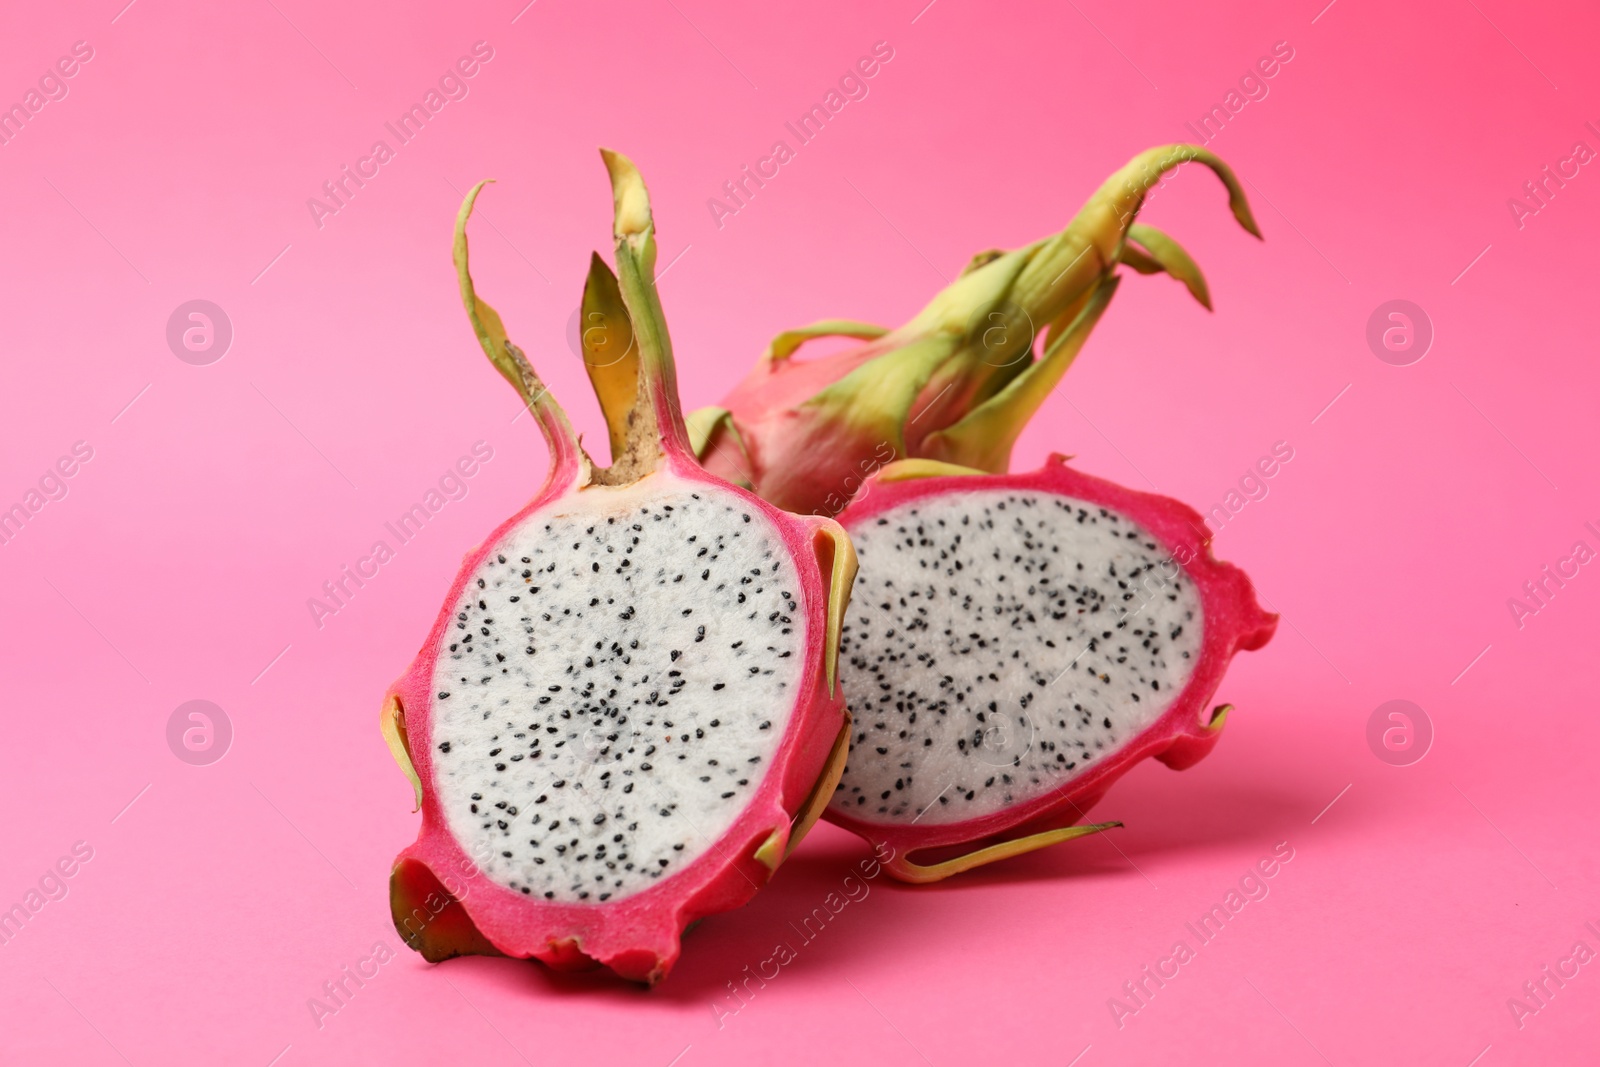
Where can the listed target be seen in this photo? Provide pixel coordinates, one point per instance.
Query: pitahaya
(1016, 643)
(958, 382)
(626, 713)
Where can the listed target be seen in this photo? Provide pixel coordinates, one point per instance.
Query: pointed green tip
(1236, 199)
(785, 344)
(1237, 203)
(1146, 168)
(458, 247)
(1165, 254)
(485, 319)
(702, 424)
(1241, 211)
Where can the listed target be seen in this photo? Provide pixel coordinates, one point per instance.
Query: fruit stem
(1070, 263)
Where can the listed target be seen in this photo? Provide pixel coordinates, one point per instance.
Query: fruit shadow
(1226, 819)
(719, 948)
(1222, 818)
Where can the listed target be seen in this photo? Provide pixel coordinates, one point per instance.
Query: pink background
(179, 564)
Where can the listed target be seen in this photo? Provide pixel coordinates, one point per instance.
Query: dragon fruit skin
(443, 899)
(960, 380)
(1183, 733)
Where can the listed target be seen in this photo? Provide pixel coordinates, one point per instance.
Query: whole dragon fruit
(1016, 643)
(960, 380)
(626, 713)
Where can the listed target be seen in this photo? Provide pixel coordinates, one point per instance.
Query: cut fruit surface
(1016, 643)
(1014, 605)
(599, 665)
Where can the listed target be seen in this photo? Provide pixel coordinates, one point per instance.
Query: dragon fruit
(958, 382)
(627, 712)
(1016, 643)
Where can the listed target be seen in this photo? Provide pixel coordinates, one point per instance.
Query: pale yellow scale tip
(628, 194)
(393, 725)
(904, 470)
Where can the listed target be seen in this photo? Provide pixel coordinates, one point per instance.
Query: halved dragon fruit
(960, 380)
(626, 713)
(1015, 644)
